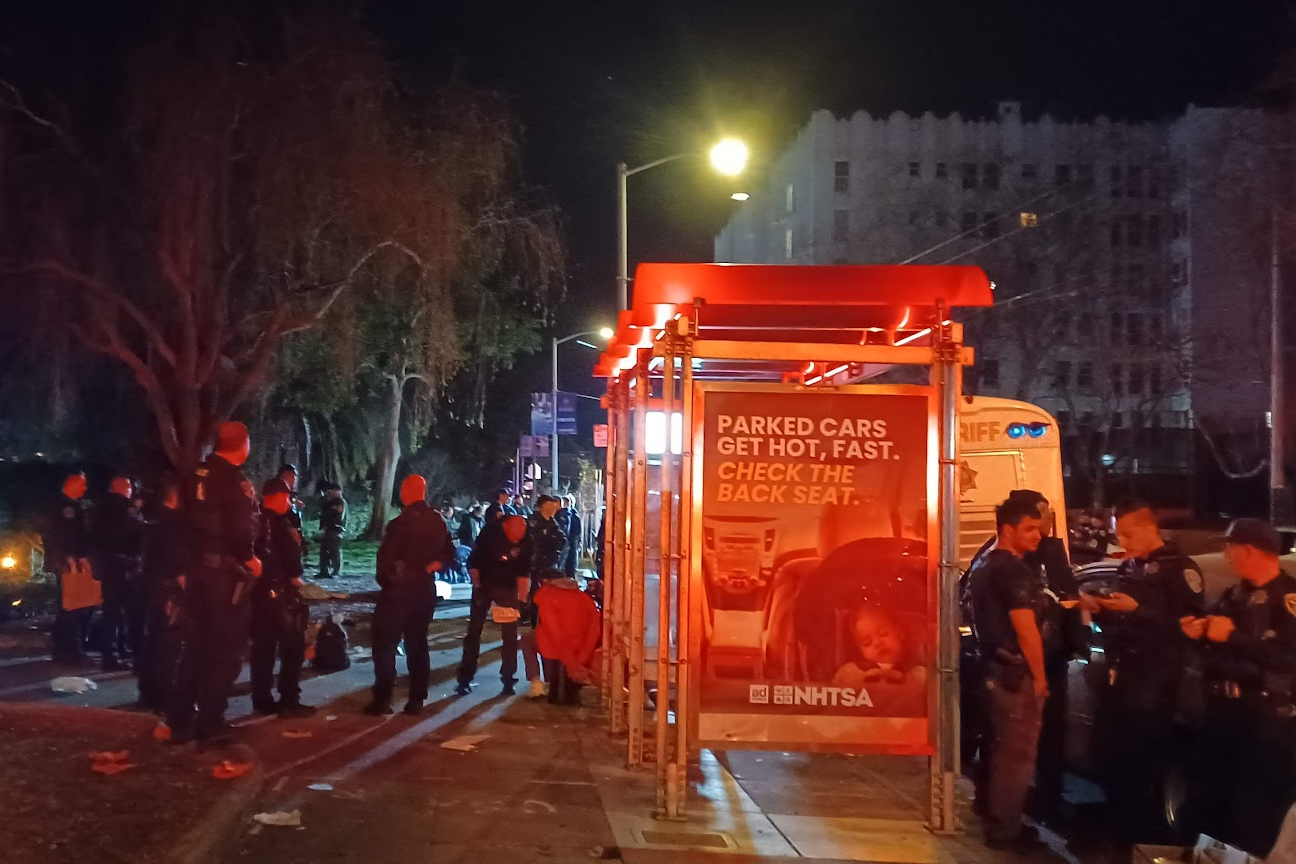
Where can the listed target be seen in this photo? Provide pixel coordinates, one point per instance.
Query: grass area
(360, 557)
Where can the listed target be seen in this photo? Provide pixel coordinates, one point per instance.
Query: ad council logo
(758, 694)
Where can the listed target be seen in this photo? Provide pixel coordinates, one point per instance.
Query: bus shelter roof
(850, 304)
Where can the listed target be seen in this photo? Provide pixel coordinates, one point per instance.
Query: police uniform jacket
(413, 541)
(499, 561)
(221, 515)
(67, 536)
(333, 516)
(119, 530)
(1167, 586)
(549, 541)
(1260, 654)
(497, 511)
(164, 549)
(279, 548)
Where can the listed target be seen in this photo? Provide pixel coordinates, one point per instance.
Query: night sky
(599, 82)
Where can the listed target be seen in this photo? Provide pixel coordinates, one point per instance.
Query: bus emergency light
(1023, 430)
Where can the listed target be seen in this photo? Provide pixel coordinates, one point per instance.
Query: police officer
(1248, 747)
(569, 520)
(332, 524)
(279, 615)
(219, 507)
(1006, 601)
(162, 586)
(547, 536)
(415, 546)
(67, 552)
(501, 507)
(1155, 587)
(119, 543)
(288, 474)
(500, 567)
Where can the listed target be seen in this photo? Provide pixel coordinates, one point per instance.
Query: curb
(219, 826)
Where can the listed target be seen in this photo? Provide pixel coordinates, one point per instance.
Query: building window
(1118, 420)
(1084, 327)
(841, 224)
(1084, 377)
(991, 174)
(791, 198)
(1134, 233)
(1176, 273)
(1028, 171)
(1062, 175)
(1134, 327)
(1064, 421)
(1153, 230)
(787, 245)
(1117, 178)
(1115, 232)
(1061, 375)
(1116, 321)
(1156, 382)
(841, 176)
(1136, 380)
(1134, 182)
(941, 171)
(942, 219)
(969, 175)
(991, 230)
(1061, 328)
(1134, 275)
(1154, 328)
(968, 222)
(988, 373)
(1117, 379)
(1085, 176)
(915, 169)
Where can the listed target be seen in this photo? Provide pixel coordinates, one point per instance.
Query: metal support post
(944, 770)
(1279, 513)
(678, 776)
(621, 575)
(664, 569)
(553, 421)
(609, 539)
(623, 244)
(638, 518)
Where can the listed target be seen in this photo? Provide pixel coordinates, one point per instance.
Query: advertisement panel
(813, 567)
(542, 414)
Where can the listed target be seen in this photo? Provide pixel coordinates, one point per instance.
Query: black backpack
(331, 648)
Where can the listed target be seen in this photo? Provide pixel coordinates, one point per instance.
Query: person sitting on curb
(566, 636)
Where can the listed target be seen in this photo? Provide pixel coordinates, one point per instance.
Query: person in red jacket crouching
(566, 636)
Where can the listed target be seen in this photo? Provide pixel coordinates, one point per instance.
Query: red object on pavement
(228, 770)
(570, 624)
(110, 762)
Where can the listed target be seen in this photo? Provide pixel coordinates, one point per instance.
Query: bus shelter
(781, 548)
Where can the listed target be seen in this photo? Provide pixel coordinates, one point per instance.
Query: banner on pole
(813, 568)
(542, 413)
(526, 449)
(600, 434)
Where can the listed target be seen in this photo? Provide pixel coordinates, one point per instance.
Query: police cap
(1254, 532)
(274, 486)
(287, 468)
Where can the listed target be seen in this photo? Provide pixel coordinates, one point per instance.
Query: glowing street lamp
(728, 157)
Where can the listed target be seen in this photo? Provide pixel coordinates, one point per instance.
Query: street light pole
(1278, 511)
(605, 333)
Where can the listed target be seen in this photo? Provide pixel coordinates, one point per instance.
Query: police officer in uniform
(332, 524)
(219, 508)
(67, 549)
(570, 522)
(415, 546)
(288, 474)
(119, 543)
(1006, 601)
(500, 567)
(279, 615)
(1155, 587)
(501, 507)
(162, 588)
(1248, 746)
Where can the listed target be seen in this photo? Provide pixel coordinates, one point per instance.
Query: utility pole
(1277, 482)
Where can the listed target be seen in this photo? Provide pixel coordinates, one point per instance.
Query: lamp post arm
(628, 172)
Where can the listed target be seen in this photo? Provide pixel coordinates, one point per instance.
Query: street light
(602, 333)
(729, 157)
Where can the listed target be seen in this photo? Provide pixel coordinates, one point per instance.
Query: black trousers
(402, 615)
(278, 630)
(122, 627)
(216, 611)
(481, 603)
(159, 652)
(1247, 775)
(330, 554)
(1135, 736)
(1051, 760)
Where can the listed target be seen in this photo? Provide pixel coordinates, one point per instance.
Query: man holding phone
(1155, 587)
(1248, 746)
(1006, 600)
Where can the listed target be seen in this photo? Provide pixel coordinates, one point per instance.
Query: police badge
(1290, 602)
(1194, 580)
(1259, 598)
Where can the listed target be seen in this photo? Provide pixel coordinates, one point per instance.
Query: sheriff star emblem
(1194, 580)
(1290, 602)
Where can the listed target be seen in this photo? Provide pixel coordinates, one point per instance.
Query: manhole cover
(685, 838)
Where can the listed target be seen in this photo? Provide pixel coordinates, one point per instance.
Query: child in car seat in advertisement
(818, 620)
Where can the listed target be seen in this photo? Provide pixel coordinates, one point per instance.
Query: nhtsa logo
(829, 697)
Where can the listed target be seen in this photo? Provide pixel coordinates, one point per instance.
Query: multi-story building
(1091, 232)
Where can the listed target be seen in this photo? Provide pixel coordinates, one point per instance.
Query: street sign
(542, 413)
(526, 446)
(540, 443)
(600, 434)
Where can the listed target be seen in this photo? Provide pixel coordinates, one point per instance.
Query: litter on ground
(280, 818)
(72, 684)
(228, 770)
(297, 733)
(464, 743)
(320, 787)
